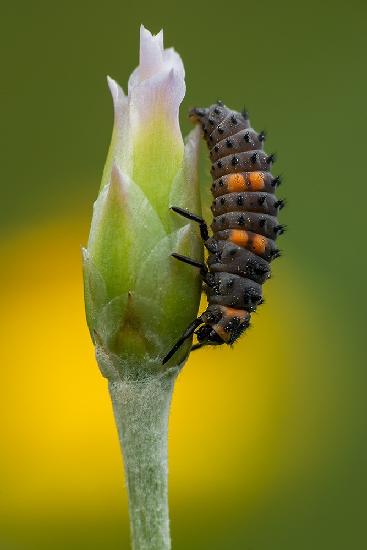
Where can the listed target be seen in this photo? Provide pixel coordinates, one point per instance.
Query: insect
(244, 226)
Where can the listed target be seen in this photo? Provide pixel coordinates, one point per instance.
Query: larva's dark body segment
(244, 226)
(227, 323)
(234, 291)
(247, 161)
(226, 126)
(230, 258)
(263, 203)
(245, 140)
(249, 221)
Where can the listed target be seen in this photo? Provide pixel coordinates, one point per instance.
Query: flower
(138, 298)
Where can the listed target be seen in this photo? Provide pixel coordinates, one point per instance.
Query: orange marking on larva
(222, 333)
(236, 182)
(232, 312)
(256, 180)
(259, 244)
(239, 237)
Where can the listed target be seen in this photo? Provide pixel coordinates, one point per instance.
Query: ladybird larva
(245, 226)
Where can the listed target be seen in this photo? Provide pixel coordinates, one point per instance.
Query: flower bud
(138, 298)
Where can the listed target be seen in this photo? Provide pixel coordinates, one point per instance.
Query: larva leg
(188, 332)
(190, 261)
(193, 217)
(204, 272)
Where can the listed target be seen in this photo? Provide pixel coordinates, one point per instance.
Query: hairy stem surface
(141, 409)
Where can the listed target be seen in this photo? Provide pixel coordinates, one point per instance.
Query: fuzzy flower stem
(141, 409)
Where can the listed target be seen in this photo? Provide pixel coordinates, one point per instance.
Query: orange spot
(256, 180)
(239, 237)
(221, 332)
(232, 312)
(235, 182)
(259, 244)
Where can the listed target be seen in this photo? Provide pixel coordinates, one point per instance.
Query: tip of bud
(145, 34)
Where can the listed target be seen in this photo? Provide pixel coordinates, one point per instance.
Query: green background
(300, 69)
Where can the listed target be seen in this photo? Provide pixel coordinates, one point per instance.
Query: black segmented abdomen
(244, 225)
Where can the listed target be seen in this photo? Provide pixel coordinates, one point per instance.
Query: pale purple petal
(156, 89)
(157, 86)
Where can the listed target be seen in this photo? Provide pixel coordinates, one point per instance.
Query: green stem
(141, 409)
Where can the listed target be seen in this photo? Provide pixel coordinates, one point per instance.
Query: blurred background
(268, 441)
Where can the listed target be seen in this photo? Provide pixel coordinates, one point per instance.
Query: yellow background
(267, 441)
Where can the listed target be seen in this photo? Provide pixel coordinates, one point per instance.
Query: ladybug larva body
(244, 226)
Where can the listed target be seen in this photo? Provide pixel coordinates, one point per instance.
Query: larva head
(210, 116)
(197, 115)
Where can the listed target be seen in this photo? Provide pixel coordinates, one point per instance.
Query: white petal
(157, 86)
(151, 53)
